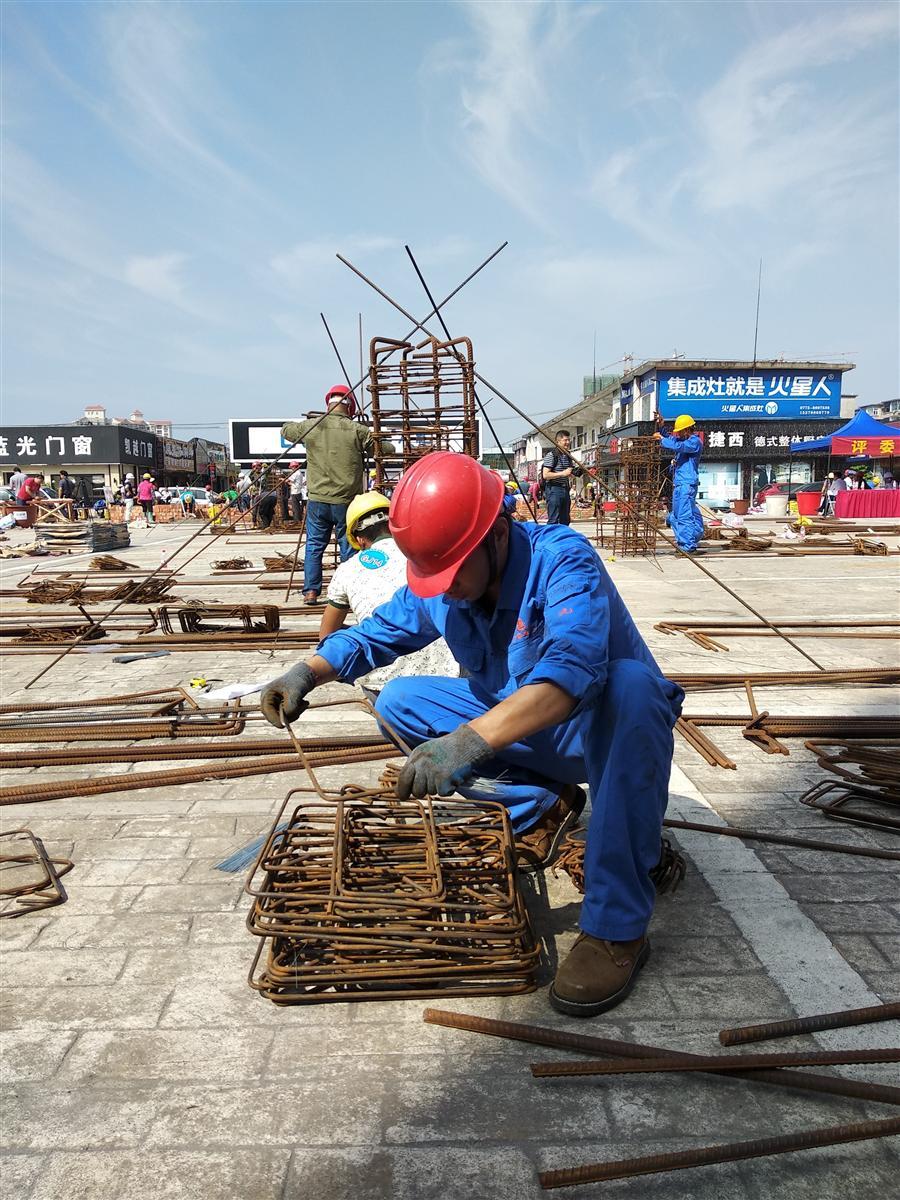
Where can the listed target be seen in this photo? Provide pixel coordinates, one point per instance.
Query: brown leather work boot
(538, 846)
(597, 975)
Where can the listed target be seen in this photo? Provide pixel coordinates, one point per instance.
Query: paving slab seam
(797, 956)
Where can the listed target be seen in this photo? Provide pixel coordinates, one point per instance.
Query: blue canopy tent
(860, 427)
(862, 437)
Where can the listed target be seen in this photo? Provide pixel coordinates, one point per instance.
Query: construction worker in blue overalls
(685, 519)
(559, 689)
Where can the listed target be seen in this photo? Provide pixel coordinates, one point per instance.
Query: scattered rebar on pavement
(540, 1035)
(740, 1035)
(851, 803)
(700, 682)
(232, 564)
(653, 1164)
(29, 877)
(715, 1062)
(209, 618)
(783, 839)
(704, 633)
(268, 764)
(109, 562)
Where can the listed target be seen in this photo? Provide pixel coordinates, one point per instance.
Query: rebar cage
(635, 520)
(423, 401)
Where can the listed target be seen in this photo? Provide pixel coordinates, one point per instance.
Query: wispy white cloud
(302, 263)
(505, 93)
(167, 104)
(619, 186)
(58, 226)
(157, 276)
(766, 128)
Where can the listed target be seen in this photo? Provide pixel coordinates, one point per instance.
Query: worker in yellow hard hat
(364, 510)
(368, 580)
(684, 518)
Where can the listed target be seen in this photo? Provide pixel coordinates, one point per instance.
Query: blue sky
(178, 177)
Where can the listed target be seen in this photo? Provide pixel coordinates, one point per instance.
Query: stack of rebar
(359, 896)
(868, 781)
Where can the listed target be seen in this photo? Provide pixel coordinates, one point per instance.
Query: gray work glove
(284, 699)
(438, 767)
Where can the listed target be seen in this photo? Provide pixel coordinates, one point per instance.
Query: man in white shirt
(369, 579)
(297, 485)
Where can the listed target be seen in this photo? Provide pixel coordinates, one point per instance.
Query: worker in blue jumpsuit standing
(559, 690)
(685, 519)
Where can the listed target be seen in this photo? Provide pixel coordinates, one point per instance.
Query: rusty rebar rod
(652, 1164)
(66, 788)
(717, 1062)
(740, 1035)
(89, 755)
(559, 1039)
(700, 682)
(783, 839)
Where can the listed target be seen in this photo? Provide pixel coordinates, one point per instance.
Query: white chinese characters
(737, 386)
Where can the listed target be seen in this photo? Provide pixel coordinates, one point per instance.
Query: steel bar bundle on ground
(359, 896)
(868, 781)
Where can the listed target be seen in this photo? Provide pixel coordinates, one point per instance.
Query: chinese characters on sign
(54, 447)
(761, 394)
(137, 448)
(77, 445)
(747, 385)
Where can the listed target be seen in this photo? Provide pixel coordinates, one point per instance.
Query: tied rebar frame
(423, 402)
(635, 521)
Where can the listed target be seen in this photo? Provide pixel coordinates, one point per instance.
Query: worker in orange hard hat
(685, 518)
(559, 690)
(336, 451)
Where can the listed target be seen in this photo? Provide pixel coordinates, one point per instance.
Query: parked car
(815, 486)
(7, 497)
(202, 495)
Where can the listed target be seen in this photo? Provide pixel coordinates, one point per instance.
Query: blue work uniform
(560, 620)
(685, 519)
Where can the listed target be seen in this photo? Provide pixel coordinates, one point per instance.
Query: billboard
(763, 395)
(259, 439)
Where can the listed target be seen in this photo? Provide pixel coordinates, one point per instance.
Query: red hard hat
(293, 466)
(346, 397)
(442, 510)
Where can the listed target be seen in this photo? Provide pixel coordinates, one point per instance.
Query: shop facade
(747, 415)
(95, 456)
(739, 458)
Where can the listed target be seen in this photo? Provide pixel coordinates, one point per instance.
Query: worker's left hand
(657, 437)
(438, 767)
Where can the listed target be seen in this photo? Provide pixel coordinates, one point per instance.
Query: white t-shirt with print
(368, 580)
